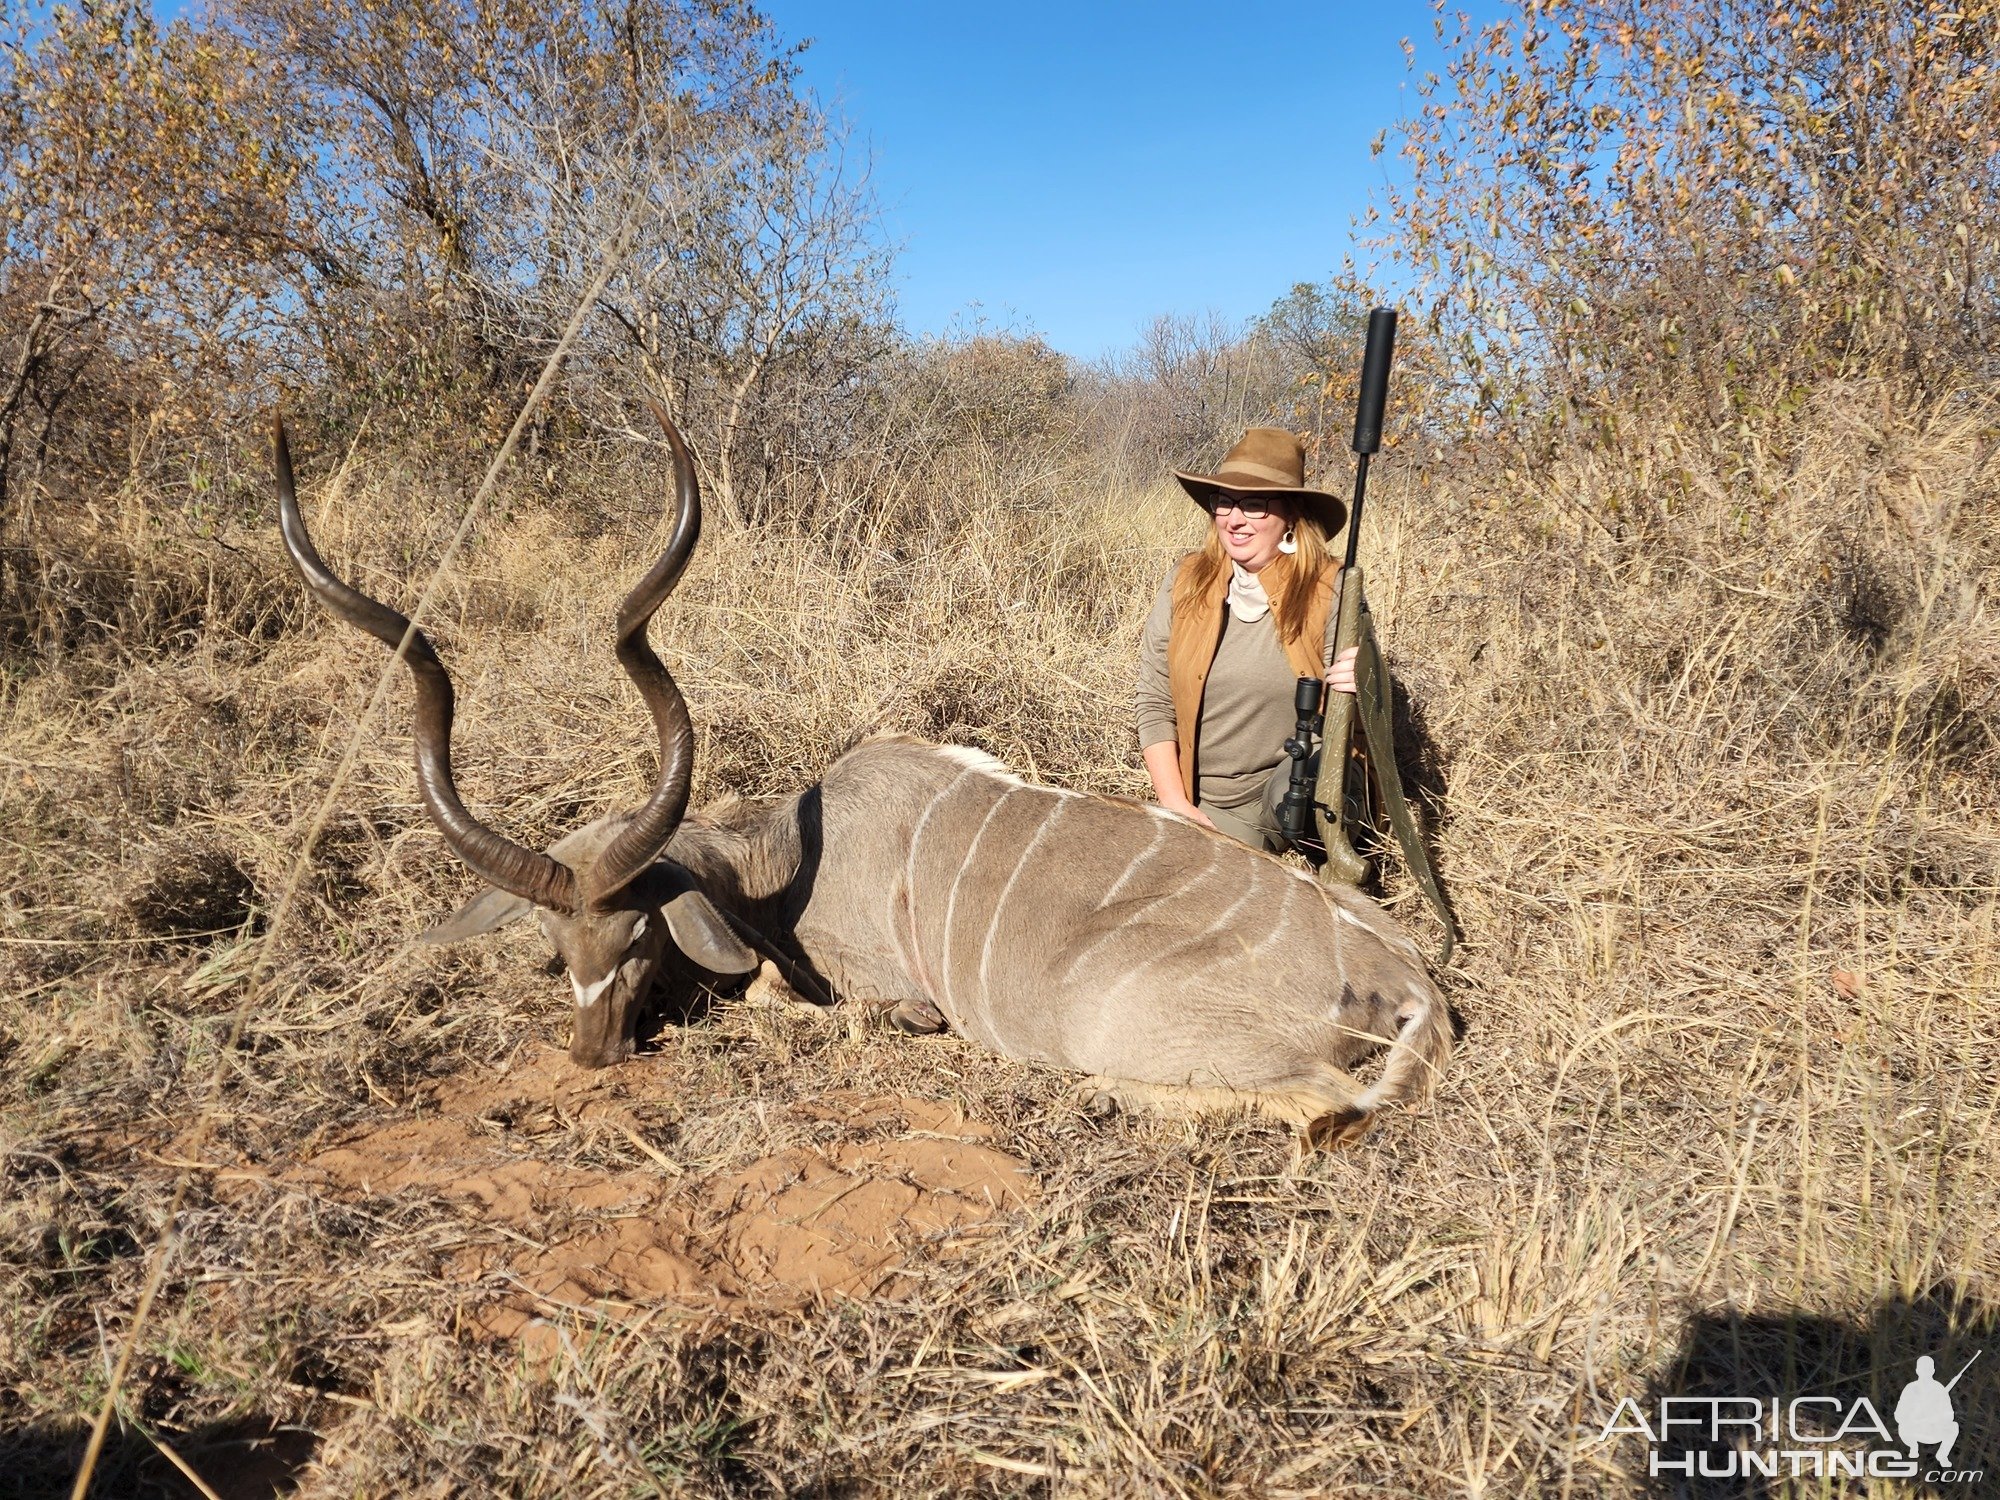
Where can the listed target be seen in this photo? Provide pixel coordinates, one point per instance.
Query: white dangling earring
(1288, 544)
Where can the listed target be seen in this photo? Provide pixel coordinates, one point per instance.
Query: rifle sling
(1375, 707)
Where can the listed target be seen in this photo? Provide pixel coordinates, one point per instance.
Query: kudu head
(615, 907)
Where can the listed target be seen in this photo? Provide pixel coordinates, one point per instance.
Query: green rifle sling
(1376, 705)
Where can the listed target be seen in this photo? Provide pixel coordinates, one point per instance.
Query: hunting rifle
(1315, 801)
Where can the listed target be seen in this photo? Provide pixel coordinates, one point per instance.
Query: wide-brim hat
(1267, 461)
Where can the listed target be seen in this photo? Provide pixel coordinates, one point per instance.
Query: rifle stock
(1343, 865)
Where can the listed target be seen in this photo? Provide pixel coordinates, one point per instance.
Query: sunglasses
(1252, 509)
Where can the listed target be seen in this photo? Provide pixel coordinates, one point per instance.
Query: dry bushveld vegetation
(1702, 673)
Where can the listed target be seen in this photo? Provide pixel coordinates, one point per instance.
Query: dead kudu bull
(1181, 968)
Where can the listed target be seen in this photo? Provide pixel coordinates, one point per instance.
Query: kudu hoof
(917, 1018)
(1335, 1129)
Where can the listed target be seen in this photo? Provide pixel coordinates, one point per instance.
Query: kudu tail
(1416, 1059)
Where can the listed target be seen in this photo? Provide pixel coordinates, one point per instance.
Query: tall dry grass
(1711, 767)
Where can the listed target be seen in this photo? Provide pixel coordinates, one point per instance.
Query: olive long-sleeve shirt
(1247, 711)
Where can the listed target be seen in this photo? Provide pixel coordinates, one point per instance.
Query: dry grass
(1717, 799)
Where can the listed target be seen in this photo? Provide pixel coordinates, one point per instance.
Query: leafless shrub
(146, 174)
(1705, 208)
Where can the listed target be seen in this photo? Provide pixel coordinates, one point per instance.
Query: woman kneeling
(1234, 626)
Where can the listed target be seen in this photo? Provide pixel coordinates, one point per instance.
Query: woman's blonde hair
(1289, 570)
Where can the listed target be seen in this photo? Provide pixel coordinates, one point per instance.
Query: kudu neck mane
(749, 854)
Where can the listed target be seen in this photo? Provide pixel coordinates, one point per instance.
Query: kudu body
(1174, 964)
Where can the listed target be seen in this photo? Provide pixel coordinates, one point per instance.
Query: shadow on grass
(1817, 1362)
(246, 1459)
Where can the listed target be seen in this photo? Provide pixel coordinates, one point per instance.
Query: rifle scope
(1295, 812)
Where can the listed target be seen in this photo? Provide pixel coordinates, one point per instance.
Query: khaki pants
(1256, 823)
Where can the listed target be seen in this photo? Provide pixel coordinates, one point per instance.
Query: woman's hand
(1182, 808)
(1340, 676)
(1163, 766)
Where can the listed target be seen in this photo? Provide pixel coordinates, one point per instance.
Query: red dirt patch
(844, 1218)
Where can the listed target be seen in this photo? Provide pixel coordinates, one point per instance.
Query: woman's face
(1251, 540)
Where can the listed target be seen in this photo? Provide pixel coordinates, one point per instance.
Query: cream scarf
(1247, 599)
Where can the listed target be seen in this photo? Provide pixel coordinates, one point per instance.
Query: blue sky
(1078, 168)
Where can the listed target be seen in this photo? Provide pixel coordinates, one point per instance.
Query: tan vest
(1195, 632)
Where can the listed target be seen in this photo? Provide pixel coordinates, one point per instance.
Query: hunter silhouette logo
(1825, 1437)
(1924, 1413)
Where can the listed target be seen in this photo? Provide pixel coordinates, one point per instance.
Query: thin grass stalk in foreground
(261, 967)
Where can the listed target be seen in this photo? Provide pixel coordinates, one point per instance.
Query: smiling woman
(1234, 625)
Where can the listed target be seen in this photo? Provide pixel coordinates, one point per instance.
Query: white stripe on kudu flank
(1000, 901)
(1152, 845)
(1228, 915)
(1342, 918)
(1159, 833)
(951, 901)
(917, 833)
(1277, 925)
(1108, 1009)
(918, 969)
(1111, 932)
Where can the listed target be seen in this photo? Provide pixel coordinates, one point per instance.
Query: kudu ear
(705, 936)
(484, 912)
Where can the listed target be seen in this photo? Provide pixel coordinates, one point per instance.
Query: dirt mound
(843, 1217)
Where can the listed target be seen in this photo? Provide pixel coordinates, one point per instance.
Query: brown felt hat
(1267, 461)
